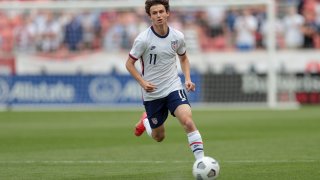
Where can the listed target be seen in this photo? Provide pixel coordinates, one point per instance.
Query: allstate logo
(104, 89)
(4, 90)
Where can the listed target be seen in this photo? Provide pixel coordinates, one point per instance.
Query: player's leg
(158, 133)
(184, 115)
(152, 121)
(180, 108)
(144, 125)
(157, 115)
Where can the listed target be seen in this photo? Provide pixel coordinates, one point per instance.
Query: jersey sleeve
(182, 46)
(138, 48)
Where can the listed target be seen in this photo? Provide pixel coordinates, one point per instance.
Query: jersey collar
(164, 36)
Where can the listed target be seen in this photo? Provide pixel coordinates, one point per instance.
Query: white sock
(196, 144)
(147, 126)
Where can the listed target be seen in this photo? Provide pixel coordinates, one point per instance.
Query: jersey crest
(154, 120)
(174, 45)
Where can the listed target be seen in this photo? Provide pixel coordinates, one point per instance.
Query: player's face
(158, 14)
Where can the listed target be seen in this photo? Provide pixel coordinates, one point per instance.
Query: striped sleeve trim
(182, 53)
(134, 58)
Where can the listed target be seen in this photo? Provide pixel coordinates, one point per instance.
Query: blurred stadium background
(70, 54)
(56, 53)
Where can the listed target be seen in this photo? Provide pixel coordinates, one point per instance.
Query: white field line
(155, 162)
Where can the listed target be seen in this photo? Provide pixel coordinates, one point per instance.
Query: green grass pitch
(92, 145)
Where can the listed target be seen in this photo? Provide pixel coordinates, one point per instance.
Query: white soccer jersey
(158, 59)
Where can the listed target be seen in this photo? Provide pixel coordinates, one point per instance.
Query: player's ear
(168, 14)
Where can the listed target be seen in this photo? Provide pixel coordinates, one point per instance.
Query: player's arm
(147, 86)
(185, 66)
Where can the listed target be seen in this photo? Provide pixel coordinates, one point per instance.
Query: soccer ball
(206, 168)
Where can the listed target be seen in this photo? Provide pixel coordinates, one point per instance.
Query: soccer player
(163, 91)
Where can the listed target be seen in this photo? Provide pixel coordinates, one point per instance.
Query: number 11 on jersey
(153, 59)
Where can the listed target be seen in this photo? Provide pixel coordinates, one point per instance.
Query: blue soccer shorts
(157, 110)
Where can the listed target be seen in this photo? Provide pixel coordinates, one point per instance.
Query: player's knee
(158, 137)
(189, 125)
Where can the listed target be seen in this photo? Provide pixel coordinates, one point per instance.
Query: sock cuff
(147, 126)
(145, 121)
(196, 144)
(193, 133)
(194, 138)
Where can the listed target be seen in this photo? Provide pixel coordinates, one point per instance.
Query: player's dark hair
(150, 3)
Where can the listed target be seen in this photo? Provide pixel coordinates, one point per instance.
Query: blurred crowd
(206, 29)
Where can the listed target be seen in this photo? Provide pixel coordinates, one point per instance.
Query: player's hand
(149, 87)
(190, 86)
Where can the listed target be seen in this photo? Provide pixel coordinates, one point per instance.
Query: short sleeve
(138, 48)
(182, 47)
